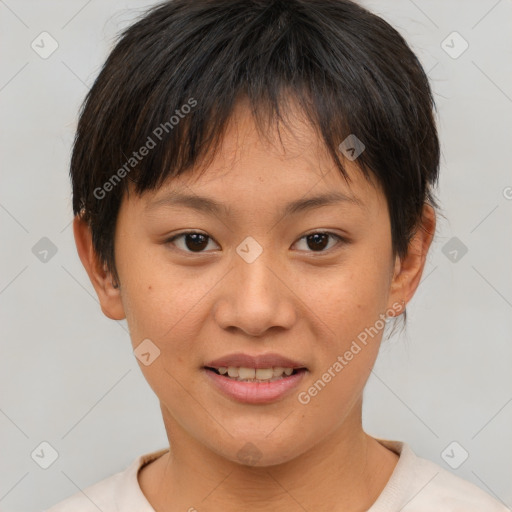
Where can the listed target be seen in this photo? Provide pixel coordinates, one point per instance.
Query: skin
(303, 303)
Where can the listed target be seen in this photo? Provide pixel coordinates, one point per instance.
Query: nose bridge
(258, 285)
(255, 299)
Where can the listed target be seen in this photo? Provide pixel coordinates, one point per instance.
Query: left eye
(196, 242)
(319, 240)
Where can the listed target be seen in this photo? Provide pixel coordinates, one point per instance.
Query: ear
(408, 271)
(101, 279)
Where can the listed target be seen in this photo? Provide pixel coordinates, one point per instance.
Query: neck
(348, 469)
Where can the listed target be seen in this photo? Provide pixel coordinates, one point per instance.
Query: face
(262, 280)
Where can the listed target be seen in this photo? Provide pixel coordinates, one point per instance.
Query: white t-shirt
(416, 485)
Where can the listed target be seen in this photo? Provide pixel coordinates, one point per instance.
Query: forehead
(288, 163)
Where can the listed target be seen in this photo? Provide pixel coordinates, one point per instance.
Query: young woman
(253, 191)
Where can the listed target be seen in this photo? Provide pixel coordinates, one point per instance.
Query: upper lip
(267, 360)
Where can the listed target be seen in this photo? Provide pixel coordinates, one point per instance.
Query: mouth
(256, 379)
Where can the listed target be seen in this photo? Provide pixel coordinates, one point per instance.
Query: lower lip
(256, 392)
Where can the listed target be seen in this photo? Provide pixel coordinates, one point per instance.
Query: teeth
(251, 374)
(245, 373)
(278, 371)
(264, 373)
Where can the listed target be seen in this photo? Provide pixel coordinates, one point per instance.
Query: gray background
(67, 373)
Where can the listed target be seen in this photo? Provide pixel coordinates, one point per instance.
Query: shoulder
(100, 496)
(117, 493)
(420, 485)
(446, 491)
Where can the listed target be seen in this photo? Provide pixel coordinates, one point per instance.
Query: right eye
(190, 241)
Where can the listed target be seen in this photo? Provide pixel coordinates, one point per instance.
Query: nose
(255, 297)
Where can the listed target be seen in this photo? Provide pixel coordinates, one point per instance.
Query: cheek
(162, 302)
(350, 304)
(349, 297)
(350, 307)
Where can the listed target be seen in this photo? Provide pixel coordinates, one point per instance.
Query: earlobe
(408, 270)
(108, 292)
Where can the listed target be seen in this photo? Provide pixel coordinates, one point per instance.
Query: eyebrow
(208, 205)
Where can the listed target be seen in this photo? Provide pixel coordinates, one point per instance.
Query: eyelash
(339, 238)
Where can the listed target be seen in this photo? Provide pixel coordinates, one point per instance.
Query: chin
(261, 451)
